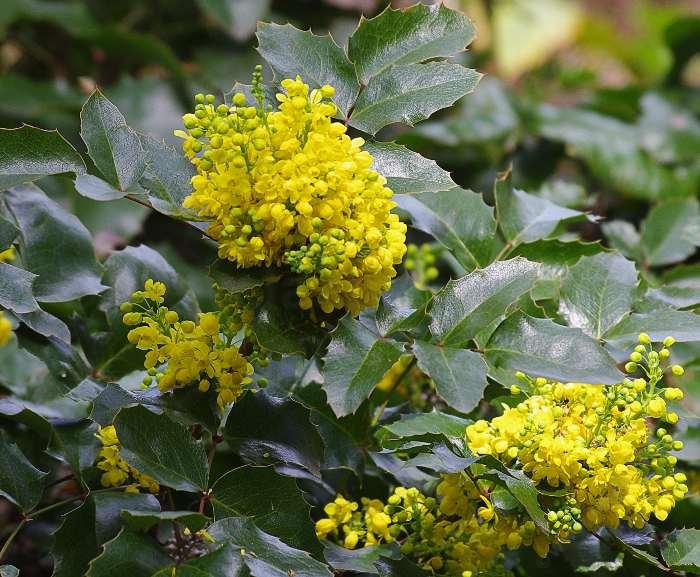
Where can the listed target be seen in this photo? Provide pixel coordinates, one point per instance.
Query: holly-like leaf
(432, 423)
(523, 343)
(272, 501)
(236, 17)
(525, 491)
(28, 153)
(129, 555)
(459, 219)
(16, 289)
(623, 236)
(46, 324)
(317, 59)
(75, 541)
(681, 325)
(265, 554)
(54, 245)
(459, 374)
(597, 292)
(402, 307)
(681, 550)
(235, 281)
(469, 304)
(355, 362)
(20, 481)
(416, 34)
(224, 561)
(95, 188)
(360, 560)
(9, 571)
(76, 444)
(162, 449)
(671, 232)
(410, 93)
(142, 521)
(407, 172)
(113, 146)
(8, 232)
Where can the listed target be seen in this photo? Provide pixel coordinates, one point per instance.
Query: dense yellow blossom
(7, 255)
(5, 329)
(189, 352)
(117, 472)
(290, 188)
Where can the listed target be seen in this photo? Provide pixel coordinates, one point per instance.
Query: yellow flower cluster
(5, 329)
(117, 471)
(406, 382)
(7, 255)
(290, 187)
(594, 440)
(420, 262)
(191, 352)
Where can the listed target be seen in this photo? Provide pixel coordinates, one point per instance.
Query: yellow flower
(5, 329)
(7, 255)
(117, 471)
(290, 187)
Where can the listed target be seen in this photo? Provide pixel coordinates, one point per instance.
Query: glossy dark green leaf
(51, 235)
(16, 289)
(226, 276)
(432, 423)
(681, 325)
(129, 555)
(95, 188)
(75, 542)
(142, 521)
(20, 481)
(409, 93)
(527, 344)
(226, 561)
(680, 288)
(317, 59)
(272, 501)
(355, 362)
(162, 449)
(46, 324)
(76, 444)
(635, 552)
(681, 550)
(459, 219)
(416, 34)
(671, 232)
(8, 232)
(265, 554)
(236, 17)
(623, 236)
(597, 292)
(402, 307)
(64, 363)
(459, 374)
(27, 413)
(360, 560)
(265, 430)
(407, 172)
(28, 153)
(525, 491)
(469, 304)
(113, 146)
(109, 506)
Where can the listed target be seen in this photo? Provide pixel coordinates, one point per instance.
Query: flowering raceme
(195, 353)
(5, 329)
(117, 471)
(290, 188)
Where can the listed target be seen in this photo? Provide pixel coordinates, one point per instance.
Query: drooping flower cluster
(5, 329)
(181, 353)
(420, 262)
(595, 441)
(289, 187)
(117, 472)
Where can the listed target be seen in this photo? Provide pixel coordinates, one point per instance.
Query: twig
(6, 546)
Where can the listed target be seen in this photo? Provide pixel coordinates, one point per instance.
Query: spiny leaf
(20, 481)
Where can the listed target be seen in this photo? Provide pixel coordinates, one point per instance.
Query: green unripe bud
(644, 339)
(631, 367)
(669, 341)
(677, 370)
(636, 357)
(125, 307)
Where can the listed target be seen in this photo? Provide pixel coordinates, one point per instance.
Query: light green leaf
(597, 292)
(237, 17)
(20, 481)
(680, 289)
(523, 343)
(16, 289)
(459, 219)
(408, 36)
(264, 554)
(459, 375)
(355, 362)
(94, 187)
(681, 550)
(129, 555)
(469, 304)
(623, 236)
(681, 325)
(671, 232)
(142, 521)
(402, 307)
(113, 146)
(317, 59)
(410, 93)
(28, 153)
(49, 236)
(162, 449)
(432, 423)
(272, 501)
(407, 172)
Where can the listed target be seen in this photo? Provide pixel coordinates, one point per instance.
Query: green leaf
(459, 219)
(407, 172)
(402, 307)
(235, 281)
(16, 289)
(272, 501)
(681, 325)
(224, 561)
(524, 217)
(317, 59)
(75, 541)
(264, 554)
(24, 412)
(681, 550)
(8, 233)
(162, 449)
(62, 361)
(432, 423)
(355, 362)
(623, 236)
(142, 521)
(671, 232)
(416, 34)
(523, 343)
(635, 551)
(236, 17)
(525, 491)
(95, 188)
(459, 375)
(9, 571)
(109, 506)
(597, 292)
(680, 289)
(129, 555)
(29, 153)
(46, 324)
(20, 481)
(76, 444)
(49, 236)
(410, 93)
(360, 560)
(113, 146)
(469, 304)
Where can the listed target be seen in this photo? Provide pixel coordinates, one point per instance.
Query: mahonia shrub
(339, 361)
